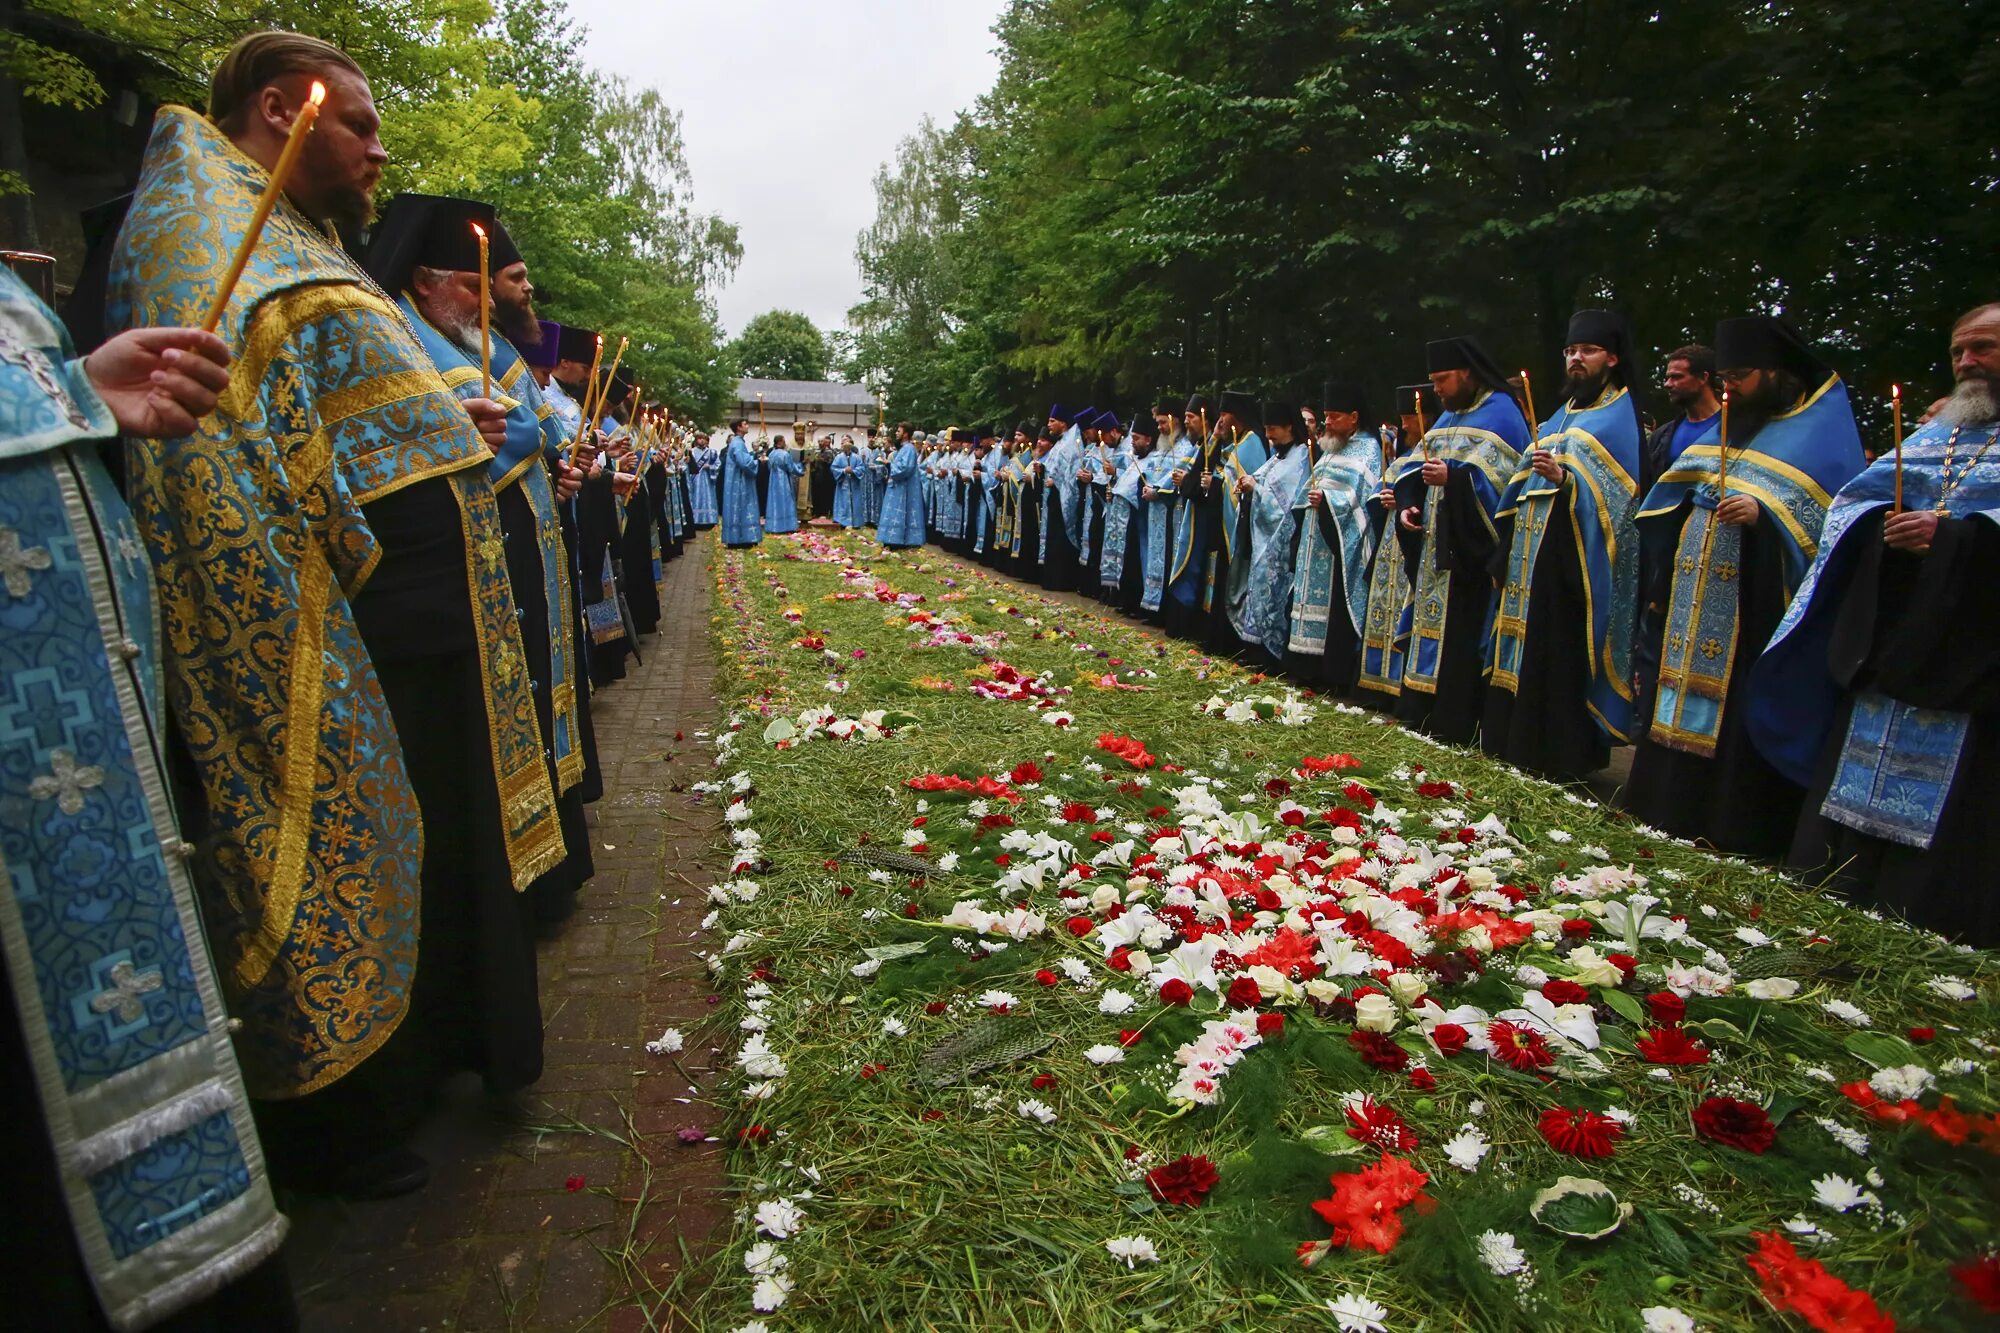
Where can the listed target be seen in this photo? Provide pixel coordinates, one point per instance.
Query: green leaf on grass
(1884, 1050)
(1580, 1206)
(1624, 1006)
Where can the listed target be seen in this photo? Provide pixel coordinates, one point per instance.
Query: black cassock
(597, 526)
(1093, 565)
(1465, 544)
(474, 1003)
(819, 486)
(591, 788)
(1545, 724)
(1922, 630)
(1735, 800)
(1028, 520)
(642, 596)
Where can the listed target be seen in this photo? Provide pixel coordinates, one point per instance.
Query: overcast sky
(788, 107)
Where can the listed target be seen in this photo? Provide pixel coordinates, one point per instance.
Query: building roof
(821, 393)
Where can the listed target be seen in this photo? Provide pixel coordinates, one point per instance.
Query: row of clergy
(296, 703)
(1790, 637)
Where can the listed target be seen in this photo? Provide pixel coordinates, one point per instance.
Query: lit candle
(1423, 431)
(760, 417)
(485, 320)
(1722, 451)
(302, 124)
(1896, 409)
(1528, 391)
(589, 392)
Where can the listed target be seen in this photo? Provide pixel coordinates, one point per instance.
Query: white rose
(1771, 988)
(1375, 1013)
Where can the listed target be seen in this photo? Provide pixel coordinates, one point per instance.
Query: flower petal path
(1310, 1011)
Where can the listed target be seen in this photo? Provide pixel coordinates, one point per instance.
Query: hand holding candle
(589, 386)
(302, 124)
(1896, 410)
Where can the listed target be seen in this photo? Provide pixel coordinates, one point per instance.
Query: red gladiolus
(1131, 751)
(1803, 1287)
(1364, 1211)
(1734, 1123)
(1331, 763)
(1270, 1026)
(1185, 1181)
(1666, 1007)
(1450, 1038)
(1176, 992)
(1244, 994)
(1671, 1046)
(1378, 1049)
(1580, 1133)
(1564, 992)
(1979, 1279)
(1518, 1047)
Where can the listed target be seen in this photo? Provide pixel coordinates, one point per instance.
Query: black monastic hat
(1144, 425)
(576, 344)
(431, 231)
(1239, 405)
(1766, 342)
(1163, 408)
(1343, 396)
(961, 435)
(1465, 353)
(1197, 403)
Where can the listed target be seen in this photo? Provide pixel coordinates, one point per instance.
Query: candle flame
(318, 93)
(1895, 391)
(478, 230)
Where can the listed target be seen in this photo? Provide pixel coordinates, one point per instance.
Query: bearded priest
(1880, 692)
(1559, 693)
(1744, 531)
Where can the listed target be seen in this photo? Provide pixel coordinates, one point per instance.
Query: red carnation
(1666, 1007)
(1026, 771)
(1519, 1047)
(935, 1007)
(1671, 1046)
(1564, 992)
(1736, 1124)
(1450, 1038)
(1079, 926)
(1186, 1180)
(1580, 1133)
(1378, 1049)
(1244, 994)
(1079, 812)
(1046, 977)
(1176, 991)
(1270, 1026)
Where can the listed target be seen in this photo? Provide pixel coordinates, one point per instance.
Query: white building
(840, 408)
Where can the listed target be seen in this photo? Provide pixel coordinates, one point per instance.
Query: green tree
(782, 345)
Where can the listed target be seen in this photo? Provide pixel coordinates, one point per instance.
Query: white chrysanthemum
(1666, 1319)
(895, 1027)
(1839, 1193)
(866, 968)
(1847, 1013)
(770, 1293)
(999, 999)
(1847, 1137)
(1355, 1313)
(1902, 1082)
(1952, 988)
(669, 1042)
(755, 1059)
(754, 1326)
(1105, 1053)
(1134, 1250)
(948, 862)
(780, 1219)
(763, 1259)
(1467, 1149)
(1036, 1109)
(1115, 1002)
(1501, 1255)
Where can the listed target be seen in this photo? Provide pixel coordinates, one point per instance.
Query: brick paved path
(499, 1239)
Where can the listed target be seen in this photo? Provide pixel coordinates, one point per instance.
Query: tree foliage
(487, 98)
(781, 345)
(1178, 194)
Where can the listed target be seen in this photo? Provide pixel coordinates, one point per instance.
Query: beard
(1974, 401)
(518, 322)
(1751, 412)
(1463, 398)
(1585, 387)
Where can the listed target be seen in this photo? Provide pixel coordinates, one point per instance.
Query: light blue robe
(742, 525)
(1130, 518)
(781, 496)
(1332, 580)
(1260, 589)
(1059, 469)
(703, 464)
(850, 483)
(874, 479)
(902, 521)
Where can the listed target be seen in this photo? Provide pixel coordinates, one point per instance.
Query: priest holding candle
(343, 654)
(1880, 692)
(1559, 689)
(1743, 517)
(437, 255)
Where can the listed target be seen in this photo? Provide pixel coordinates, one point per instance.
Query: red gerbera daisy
(1519, 1047)
(1671, 1046)
(1372, 1122)
(1580, 1133)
